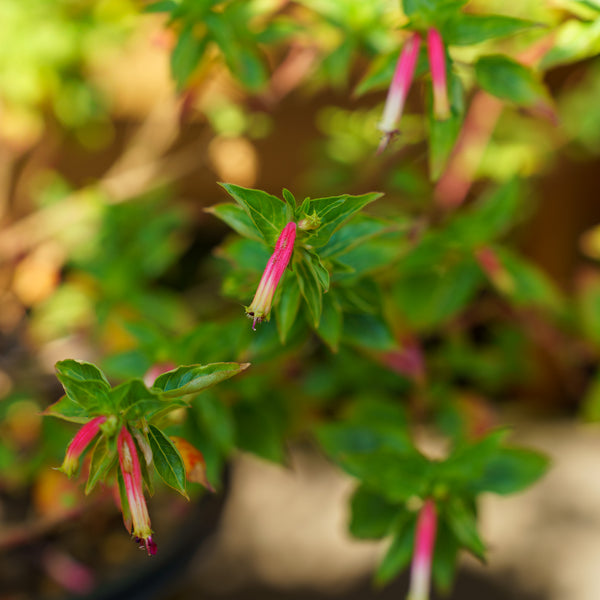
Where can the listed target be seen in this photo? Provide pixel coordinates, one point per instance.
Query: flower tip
(148, 544)
(386, 138)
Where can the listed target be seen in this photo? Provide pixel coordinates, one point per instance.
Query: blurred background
(113, 135)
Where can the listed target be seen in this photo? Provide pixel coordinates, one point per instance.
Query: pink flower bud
(403, 77)
(260, 309)
(132, 477)
(420, 571)
(437, 65)
(79, 443)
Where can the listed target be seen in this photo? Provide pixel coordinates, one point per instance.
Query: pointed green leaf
(186, 55)
(167, 460)
(85, 384)
(399, 552)
(509, 80)
(320, 272)
(510, 470)
(287, 307)
(462, 521)
(529, 285)
(333, 211)
(445, 557)
(493, 215)
(372, 517)
(379, 75)
(330, 326)
(395, 476)
(195, 378)
(237, 218)
(267, 212)
(104, 456)
(161, 6)
(353, 234)
(464, 29)
(367, 331)
(309, 288)
(69, 410)
(216, 421)
(574, 41)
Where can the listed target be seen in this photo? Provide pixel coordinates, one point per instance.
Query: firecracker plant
(356, 312)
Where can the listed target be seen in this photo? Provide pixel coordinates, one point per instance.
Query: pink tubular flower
(437, 65)
(420, 571)
(260, 309)
(132, 477)
(79, 443)
(403, 77)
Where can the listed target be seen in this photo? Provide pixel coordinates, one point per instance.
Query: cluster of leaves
(334, 258)
(235, 27)
(373, 444)
(88, 394)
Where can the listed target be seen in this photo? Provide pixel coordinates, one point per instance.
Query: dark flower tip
(149, 544)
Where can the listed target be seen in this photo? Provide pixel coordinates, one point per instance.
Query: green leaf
(429, 9)
(310, 287)
(80, 371)
(574, 41)
(195, 378)
(167, 460)
(333, 211)
(529, 286)
(354, 234)
(509, 80)
(464, 29)
(186, 55)
(130, 393)
(291, 203)
(443, 134)
(237, 218)
(367, 332)
(395, 476)
(431, 298)
(373, 425)
(216, 421)
(489, 218)
(372, 517)
(85, 384)
(463, 524)
(104, 456)
(320, 272)
(69, 410)
(287, 307)
(398, 554)
(260, 431)
(445, 556)
(161, 6)
(511, 470)
(591, 401)
(267, 212)
(379, 74)
(330, 325)
(467, 461)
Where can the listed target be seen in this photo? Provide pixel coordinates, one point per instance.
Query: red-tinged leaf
(193, 460)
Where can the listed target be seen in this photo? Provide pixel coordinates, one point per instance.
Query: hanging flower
(79, 443)
(260, 309)
(129, 463)
(403, 77)
(437, 65)
(420, 571)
